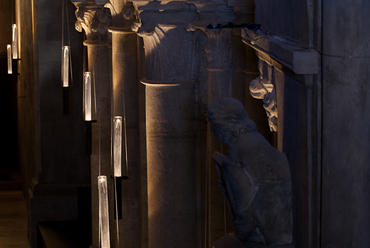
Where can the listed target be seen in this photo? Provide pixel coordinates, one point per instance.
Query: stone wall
(345, 66)
(52, 145)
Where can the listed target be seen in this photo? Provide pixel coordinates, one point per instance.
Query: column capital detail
(93, 19)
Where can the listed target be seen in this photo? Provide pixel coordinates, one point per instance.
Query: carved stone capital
(93, 19)
(123, 13)
(169, 52)
(151, 14)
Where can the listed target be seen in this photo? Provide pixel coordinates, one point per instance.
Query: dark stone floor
(13, 220)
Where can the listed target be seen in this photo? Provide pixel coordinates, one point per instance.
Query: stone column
(345, 142)
(219, 56)
(170, 129)
(94, 20)
(125, 103)
(172, 195)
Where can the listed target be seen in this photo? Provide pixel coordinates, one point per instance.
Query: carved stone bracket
(263, 88)
(93, 19)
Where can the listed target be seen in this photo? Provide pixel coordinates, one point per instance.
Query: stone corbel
(93, 19)
(263, 88)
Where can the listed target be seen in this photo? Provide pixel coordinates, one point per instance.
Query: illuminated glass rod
(65, 65)
(87, 96)
(103, 212)
(9, 53)
(14, 41)
(117, 145)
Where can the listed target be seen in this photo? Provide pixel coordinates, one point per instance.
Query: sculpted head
(228, 120)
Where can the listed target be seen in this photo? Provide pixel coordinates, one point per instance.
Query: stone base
(230, 240)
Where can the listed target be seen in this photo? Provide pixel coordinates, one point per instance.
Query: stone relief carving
(254, 179)
(94, 20)
(262, 88)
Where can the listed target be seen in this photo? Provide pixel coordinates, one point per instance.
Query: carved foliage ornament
(263, 88)
(94, 20)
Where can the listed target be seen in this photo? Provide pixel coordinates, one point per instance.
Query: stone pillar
(345, 142)
(170, 129)
(219, 56)
(98, 60)
(125, 103)
(94, 20)
(172, 181)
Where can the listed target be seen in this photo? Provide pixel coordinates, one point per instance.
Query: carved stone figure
(254, 178)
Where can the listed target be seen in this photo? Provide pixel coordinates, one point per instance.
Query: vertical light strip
(87, 96)
(14, 41)
(65, 66)
(117, 145)
(9, 53)
(103, 212)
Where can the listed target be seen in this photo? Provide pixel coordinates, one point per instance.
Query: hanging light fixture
(103, 212)
(88, 109)
(87, 96)
(14, 41)
(66, 61)
(9, 58)
(117, 145)
(65, 65)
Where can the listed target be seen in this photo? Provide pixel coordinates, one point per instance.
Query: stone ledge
(295, 58)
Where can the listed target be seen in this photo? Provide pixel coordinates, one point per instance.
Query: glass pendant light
(117, 145)
(87, 96)
(14, 41)
(9, 58)
(103, 212)
(65, 65)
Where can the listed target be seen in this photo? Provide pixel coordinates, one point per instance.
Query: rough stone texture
(346, 202)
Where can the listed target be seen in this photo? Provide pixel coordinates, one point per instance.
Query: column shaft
(219, 56)
(98, 63)
(125, 103)
(171, 148)
(171, 169)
